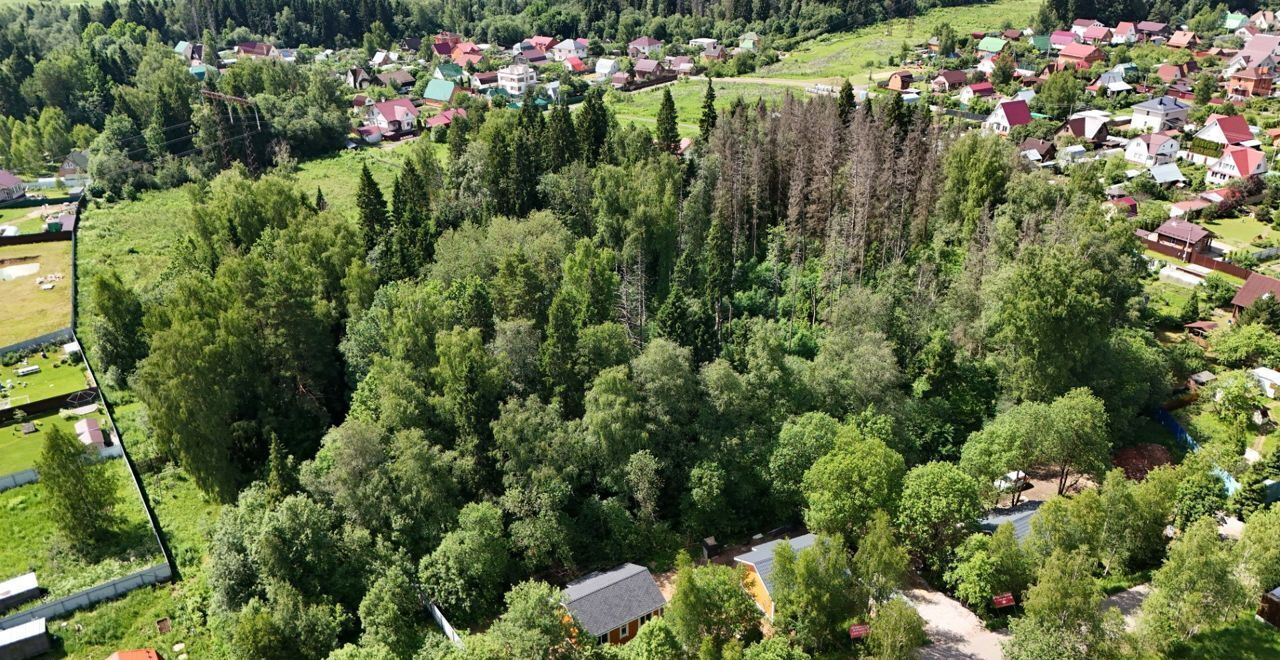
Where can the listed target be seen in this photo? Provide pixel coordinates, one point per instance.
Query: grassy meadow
(32, 542)
(642, 107)
(850, 54)
(27, 310)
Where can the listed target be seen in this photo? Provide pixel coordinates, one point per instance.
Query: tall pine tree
(593, 126)
(845, 103)
(708, 121)
(668, 136)
(373, 209)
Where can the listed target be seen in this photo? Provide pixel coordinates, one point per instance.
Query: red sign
(859, 631)
(1003, 600)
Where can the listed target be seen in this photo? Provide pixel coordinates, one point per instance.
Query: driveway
(955, 632)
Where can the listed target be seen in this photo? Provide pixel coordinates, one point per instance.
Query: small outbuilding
(759, 563)
(25, 640)
(1269, 610)
(18, 590)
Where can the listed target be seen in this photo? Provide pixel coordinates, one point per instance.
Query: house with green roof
(1041, 42)
(1235, 21)
(439, 92)
(449, 71)
(991, 45)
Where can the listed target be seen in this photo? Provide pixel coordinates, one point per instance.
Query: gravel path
(1128, 602)
(954, 631)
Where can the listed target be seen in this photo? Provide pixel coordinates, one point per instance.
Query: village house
(466, 54)
(1037, 151)
(514, 79)
(75, 165)
(1081, 56)
(947, 80)
(1007, 115)
(612, 605)
(1258, 53)
(11, 187)
(749, 41)
(1219, 132)
(646, 70)
(439, 92)
(1151, 149)
(1089, 125)
(445, 117)
(569, 48)
(1126, 205)
(1149, 30)
(394, 118)
(411, 44)
(681, 65)
(991, 45)
(1109, 83)
(542, 43)
(256, 50)
(606, 67)
(90, 435)
(449, 71)
(759, 565)
(399, 80)
(1187, 237)
(1237, 162)
(1097, 35)
(357, 78)
(575, 64)
(1012, 34)
(1264, 19)
(1081, 25)
(900, 81)
(1234, 21)
(482, 80)
(979, 90)
(1159, 114)
(715, 53)
(1257, 286)
(1184, 39)
(1125, 33)
(1059, 39)
(1248, 83)
(384, 58)
(643, 47)
(1167, 176)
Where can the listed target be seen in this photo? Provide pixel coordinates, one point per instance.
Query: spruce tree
(708, 121)
(668, 136)
(846, 103)
(321, 204)
(718, 262)
(83, 495)
(562, 139)
(373, 209)
(593, 126)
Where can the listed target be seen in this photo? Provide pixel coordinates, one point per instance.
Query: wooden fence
(43, 237)
(1195, 258)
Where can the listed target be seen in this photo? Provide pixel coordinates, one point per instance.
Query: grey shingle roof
(761, 557)
(1020, 516)
(606, 600)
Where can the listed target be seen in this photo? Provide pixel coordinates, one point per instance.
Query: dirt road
(954, 632)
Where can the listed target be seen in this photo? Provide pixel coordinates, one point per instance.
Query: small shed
(1268, 380)
(26, 640)
(1269, 609)
(1019, 516)
(18, 590)
(613, 604)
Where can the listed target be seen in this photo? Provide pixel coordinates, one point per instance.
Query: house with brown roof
(1148, 30)
(1257, 286)
(947, 80)
(1037, 150)
(900, 81)
(1151, 149)
(1183, 39)
(1089, 125)
(1187, 237)
(1098, 34)
(357, 78)
(399, 80)
(394, 118)
(1250, 82)
(256, 49)
(646, 70)
(643, 47)
(11, 187)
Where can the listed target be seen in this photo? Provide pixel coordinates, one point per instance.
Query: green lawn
(1241, 232)
(1247, 639)
(850, 54)
(1167, 297)
(32, 542)
(18, 451)
(57, 377)
(642, 107)
(187, 520)
(27, 310)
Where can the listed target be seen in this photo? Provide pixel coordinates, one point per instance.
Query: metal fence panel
(15, 479)
(91, 596)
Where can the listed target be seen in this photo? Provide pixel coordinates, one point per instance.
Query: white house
(517, 78)
(1268, 380)
(1237, 162)
(1159, 114)
(1151, 149)
(393, 116)
(606, 67)
(569, 48)
(11, 187)
(703, 43)
(1007, 115)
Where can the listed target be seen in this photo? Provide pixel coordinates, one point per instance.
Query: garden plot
(35, 290)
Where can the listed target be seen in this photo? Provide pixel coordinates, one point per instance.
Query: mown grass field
(32, 541)
(57, 376)
(1241, 232)
(641, 107)
(850, 54)
(27, 310)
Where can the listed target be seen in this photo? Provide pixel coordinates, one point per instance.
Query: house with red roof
(543, 43)
(1224, 130)
(1264, 19)
(1148, 30)
(1007, 115)
(466, 53)
(1061, 38)
(979, 90)
(1125, 33)
(575, 64)
(1098, 34)
(1081, 56)
(1237, 162)
(256, 49)
(1080, 25)
(394, 118)
(446, 117)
